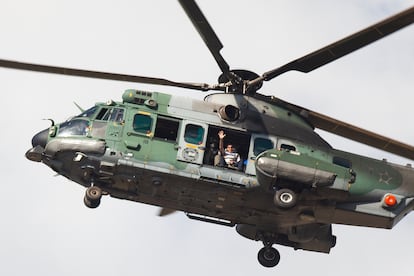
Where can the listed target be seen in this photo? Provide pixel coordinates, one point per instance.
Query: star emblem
(384, 178)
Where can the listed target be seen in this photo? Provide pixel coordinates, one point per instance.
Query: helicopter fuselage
(161, 150)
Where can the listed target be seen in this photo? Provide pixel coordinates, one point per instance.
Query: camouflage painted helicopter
(166, 151)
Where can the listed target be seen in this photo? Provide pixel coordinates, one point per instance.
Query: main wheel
(268, 257)
(92, 197)
(91, 204)
(285, 198)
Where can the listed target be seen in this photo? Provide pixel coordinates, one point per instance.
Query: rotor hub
(238, 79)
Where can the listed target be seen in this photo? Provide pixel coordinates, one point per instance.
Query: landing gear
(268, 256)
(92, 197)
(285, 198)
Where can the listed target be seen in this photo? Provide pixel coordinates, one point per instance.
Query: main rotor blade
(206, 32)
(103, 75)
(165, 212)
(344, 46)
(361, 135)
(349, 131)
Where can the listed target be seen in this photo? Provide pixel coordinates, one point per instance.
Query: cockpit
(92, 122)
(79, 125)
(74, 127)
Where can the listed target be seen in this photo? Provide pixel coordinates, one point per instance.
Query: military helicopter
(156, 148)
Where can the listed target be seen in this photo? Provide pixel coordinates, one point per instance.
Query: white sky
(45, 228)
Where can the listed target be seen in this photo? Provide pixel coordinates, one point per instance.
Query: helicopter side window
(111, 114)
(262, 144)
(342, 162)
(142, 123)
(74, 128)
(194, 134)
(103, 114)
(287, 147)
(117, 115)
(166, 129)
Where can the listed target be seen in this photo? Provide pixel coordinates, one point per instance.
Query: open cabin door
(258, 144)
(192, 141)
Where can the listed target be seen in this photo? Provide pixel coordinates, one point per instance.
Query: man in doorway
(228, 156)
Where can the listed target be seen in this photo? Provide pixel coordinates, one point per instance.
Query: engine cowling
(283, 168)
(229, 113)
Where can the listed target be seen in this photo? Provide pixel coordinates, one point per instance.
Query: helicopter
(110, 154)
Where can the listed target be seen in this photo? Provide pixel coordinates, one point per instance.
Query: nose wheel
(268, 256)
(92, 197)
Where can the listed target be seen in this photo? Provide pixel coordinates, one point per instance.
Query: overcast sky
(45, 228)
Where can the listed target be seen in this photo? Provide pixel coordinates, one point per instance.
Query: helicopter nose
(40, 139)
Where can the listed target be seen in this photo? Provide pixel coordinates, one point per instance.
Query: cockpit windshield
(88, 113)
(74, 127)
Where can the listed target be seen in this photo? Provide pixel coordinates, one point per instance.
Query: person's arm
(221, 136)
